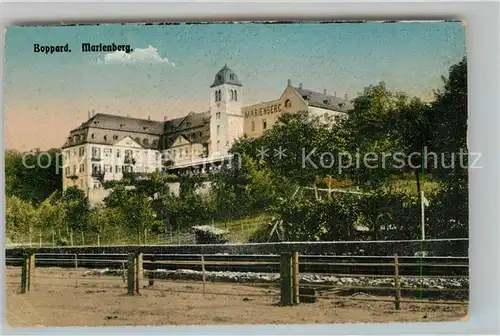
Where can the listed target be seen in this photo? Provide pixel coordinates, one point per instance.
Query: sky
(171, 68)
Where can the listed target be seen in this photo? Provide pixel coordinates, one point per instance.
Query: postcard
(236, 173)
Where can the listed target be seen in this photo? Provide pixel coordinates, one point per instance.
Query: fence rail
(292, 268)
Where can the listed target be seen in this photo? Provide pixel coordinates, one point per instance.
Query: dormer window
(122, 125)
(326, 101)
(306, 97)
(288, 103)
(145, 128)
(145, 142)
(231, 76)
(115, 137)
(105, 138)
(219, 77)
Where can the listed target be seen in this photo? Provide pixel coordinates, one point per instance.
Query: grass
(241, 230)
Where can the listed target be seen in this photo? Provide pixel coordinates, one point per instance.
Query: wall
(270, 112)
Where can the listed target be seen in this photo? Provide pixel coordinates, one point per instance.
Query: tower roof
(226, 76)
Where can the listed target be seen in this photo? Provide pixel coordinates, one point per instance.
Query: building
(262, 116)
(106, 146)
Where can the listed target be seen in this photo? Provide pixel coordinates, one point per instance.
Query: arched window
(288, 103)
(216, 96)
(232, 95)
(218, 145)
(105, 138)
(145, 142)
(235, 95)
(231, 76)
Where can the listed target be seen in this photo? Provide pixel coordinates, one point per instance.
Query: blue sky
(183, 59)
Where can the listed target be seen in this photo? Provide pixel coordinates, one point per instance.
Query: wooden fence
(291, 289)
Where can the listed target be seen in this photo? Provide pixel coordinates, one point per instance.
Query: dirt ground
(62, 297)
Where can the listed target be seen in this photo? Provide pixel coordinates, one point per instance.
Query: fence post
(98, 240)
(295, 277)
(83, 239)
(203, 271)
(286, 278)
(397, 296)
(31, 269)
(76, 260)
(131, 273)
(24, 273)
(138, 270)
(124, 278)
(151, 274)
(71, 237)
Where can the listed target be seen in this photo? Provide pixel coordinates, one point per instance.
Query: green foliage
(18, 217)
(32, 176)
(76, 209)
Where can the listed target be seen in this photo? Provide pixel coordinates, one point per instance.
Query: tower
(226, 119)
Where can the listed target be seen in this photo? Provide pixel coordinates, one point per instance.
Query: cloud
(148, 55)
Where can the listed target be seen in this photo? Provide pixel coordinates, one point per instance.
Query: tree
(76, 209)
(33, 175)
(19, 218)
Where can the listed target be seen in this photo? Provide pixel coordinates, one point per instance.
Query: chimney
(289, 82)
(165, 118)
(335, 94)
(88, 114)
(324, 92)
(346, 97)
(300, 86)
(149, 117)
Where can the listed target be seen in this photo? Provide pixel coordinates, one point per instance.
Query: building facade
(106, 146)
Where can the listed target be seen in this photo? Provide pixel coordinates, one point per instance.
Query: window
(118, 169)
(174, 153)
(217, 115)
(264, 124)
(117, 153)
(108, 152)
(105, 138)
(82, 168)
(235, 95)
(218, 129)
(218, 145)
(232, 94)
(96, 168)
(145, 142)
(253, 125)
(187, 152)
(73, 153)
(231, 76)
(157, 156)
(288, 103)
(81, 151)
(137, 140)
(93, 136)
(66, 171)
(180, 153)
(115, 137)
(96, 152)
(74, 170)
(108, 169)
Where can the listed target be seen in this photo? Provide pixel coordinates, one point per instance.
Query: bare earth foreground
(62, 297)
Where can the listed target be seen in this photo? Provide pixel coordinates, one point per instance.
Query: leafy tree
(76, 209)
(34, 175)
(19, 217)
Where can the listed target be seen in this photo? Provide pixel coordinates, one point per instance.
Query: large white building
(106, 146)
